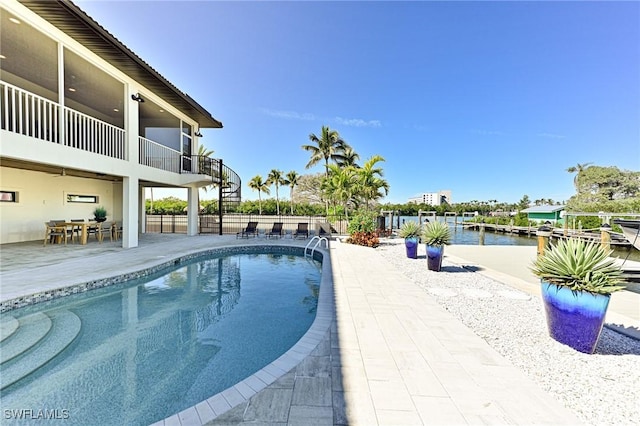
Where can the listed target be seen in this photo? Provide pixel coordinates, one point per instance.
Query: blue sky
(491, 100)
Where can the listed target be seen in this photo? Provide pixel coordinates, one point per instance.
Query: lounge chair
(251, 229)
(276, 230)
(324, 230)
(303, 229)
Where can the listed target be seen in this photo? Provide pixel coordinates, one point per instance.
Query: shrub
(362, 221)
(367, 239)
(362, 226)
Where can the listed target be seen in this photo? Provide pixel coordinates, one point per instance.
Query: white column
(130, 205)
(192, 211)
(142, 216)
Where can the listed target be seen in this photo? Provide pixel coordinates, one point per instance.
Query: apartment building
(85, 122)
(432, 198)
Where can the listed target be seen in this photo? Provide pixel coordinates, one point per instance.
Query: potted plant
(410, 231)
(435, 235)
(100, 214)
(577, 279)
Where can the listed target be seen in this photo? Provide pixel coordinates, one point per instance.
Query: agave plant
(580, 266)
(410, 229)
(436, 234)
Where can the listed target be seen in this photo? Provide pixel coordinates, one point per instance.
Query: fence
(233, 223)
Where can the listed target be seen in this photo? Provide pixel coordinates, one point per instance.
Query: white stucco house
(85, 122)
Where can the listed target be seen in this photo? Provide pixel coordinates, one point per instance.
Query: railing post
(605, 236)
(219, 194)
(543, 233)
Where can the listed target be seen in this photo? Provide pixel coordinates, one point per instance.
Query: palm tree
(329, 146)
(292, 181)
(577, 169)
(275, 178)
(350, 156)
(341, 185)
(256, 183)
(371, 182)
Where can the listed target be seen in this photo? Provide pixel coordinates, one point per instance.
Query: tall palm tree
(275, 178)
(577, 169)
(341, 185)
(329, 146)
(350, 156)
(257, 184)
(371, 182)
(292, 181)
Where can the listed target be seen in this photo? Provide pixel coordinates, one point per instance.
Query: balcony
(28, 114)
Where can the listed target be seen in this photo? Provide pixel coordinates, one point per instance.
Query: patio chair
(251, 229)
(303, 229)
(54, 231)
(116, 230)
(105, 228)
(68, 229)
(276, 230)
(76, 230)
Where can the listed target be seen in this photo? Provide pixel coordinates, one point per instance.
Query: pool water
(140, 352)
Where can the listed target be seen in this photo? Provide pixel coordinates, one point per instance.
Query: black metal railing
(234, 223)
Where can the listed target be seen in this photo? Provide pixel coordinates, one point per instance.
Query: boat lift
(428, 214)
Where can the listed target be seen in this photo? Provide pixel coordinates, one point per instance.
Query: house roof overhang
(73, 21)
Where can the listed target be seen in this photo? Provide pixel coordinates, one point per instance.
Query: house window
(90, 199)
(8, 196)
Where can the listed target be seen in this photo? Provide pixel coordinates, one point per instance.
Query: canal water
(462, 236)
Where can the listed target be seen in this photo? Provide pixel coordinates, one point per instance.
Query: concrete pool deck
(389, 353)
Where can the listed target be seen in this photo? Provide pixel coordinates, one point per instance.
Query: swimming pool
(138, 352)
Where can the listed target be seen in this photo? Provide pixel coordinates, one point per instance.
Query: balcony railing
(28, 114)
(87, 133)
(153, 154)
(31, 115)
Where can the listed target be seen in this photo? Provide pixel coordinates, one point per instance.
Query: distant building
(432, 198)
(544, 213)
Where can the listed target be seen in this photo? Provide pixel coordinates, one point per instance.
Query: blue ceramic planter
(434, 257)
(411, 244)
(574, 318)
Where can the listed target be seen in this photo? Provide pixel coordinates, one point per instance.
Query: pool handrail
(320, 239)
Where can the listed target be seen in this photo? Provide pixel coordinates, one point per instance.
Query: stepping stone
(476, 294)
(443, 292)
(515, 295)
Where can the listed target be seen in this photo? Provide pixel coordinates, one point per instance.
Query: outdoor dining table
(84, 226)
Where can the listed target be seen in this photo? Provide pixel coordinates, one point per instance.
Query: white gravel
(602, 388)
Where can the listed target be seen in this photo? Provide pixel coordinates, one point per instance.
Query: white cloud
(288, 115)
(358, 122)
(488, 132)
(551, 136)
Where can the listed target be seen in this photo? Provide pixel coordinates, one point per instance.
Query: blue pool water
(139, 352)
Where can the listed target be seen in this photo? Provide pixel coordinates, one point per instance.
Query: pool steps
(8, 325)
(64, 328)
(31, 329)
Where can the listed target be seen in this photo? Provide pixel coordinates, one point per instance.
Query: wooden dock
(530, 231)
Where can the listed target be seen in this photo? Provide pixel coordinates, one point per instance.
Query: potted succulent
(100, 214)
(577, 279)
(435, 235)
(410, 231)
